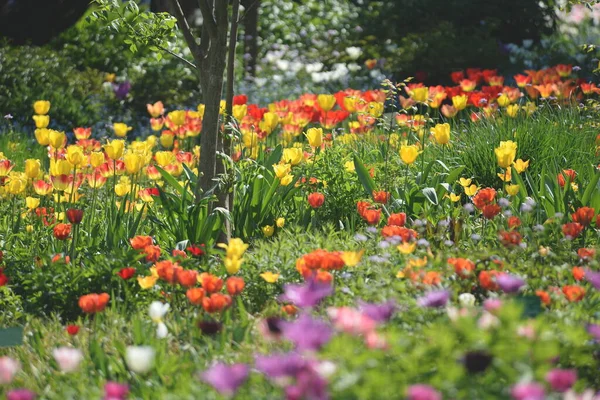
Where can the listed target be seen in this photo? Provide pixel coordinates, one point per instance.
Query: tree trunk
(250, 36)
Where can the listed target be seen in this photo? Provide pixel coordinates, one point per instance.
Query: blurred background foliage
(286, 47)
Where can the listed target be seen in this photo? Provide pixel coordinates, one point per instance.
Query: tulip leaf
(363, 176)
(589, 190)
(431, 195)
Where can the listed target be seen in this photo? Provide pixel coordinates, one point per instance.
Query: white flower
(158, 310)
(8, 369)
(466, 300)
(161, 330)
(354, 52)
(139, 359)
(326, 368)
(67, 358)
(283, 65)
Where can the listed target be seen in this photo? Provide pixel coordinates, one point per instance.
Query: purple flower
(436, 298)
(121, 90)
(423, 392)
(594, 330)
(309, 385)
(378, 312)
(307, 295)
(510, 283)
(307, 333)
(115, 391)
(561, 380)
(528, 391)
(279, 365)
(491, 305)
(593, 278)
(226, 379)
(20, 394)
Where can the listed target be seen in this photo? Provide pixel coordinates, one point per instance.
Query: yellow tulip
(471, 190)
(513, 110)
(420, 94)
(352, 258)
(441, 133)
(376, 109)
(512, 189)
(454, 197)
(520, 165)
(269, 277)
(32, 168)
(43, 136)
(114, 149)
(32, 202)
(505, 176)
(133, 162)
(503, 100)
(75, 155)
(506, 153)
(96, 159)
(41, 107)
(60, 167)
(201, 108)
(41, 121)
(460, 102)
(166, 141)
(177, 117)
(286, 180)
(164, 158)
(235, 248)
(530, 108)
(232, 265)
(326, 101)
(271, 120)
(14, 185)
(239, 111)
(464, 182)
(315, 136)
(350, 104)
(121, 189)
(147, 282)
(407, 247)
(56, 138)
(281, 170)
(121, 129)
(349, 166)
(409, 154)
(293, 155)
(268, 230)
(280, 222)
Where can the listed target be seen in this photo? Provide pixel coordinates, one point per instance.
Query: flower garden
(407, 241)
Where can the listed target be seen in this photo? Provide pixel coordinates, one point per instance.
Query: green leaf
(430, 195)
(363, 176)
(589, 190)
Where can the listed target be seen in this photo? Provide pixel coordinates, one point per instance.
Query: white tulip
(466, 300)
(161, 330)
(67, 358)
(158, 310)
(140, 359)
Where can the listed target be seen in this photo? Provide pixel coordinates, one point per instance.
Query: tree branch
(189, 63)
(185, 28)
(231, 57)
(207, 17)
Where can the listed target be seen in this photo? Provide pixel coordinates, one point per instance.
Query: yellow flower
(239, 111)
(350, 104)
(59, 167)
(454, 197)
(41, 121)
(75, 155)
(29, 228)
(178, 117)
(121, 129)
(114, 149)
(147, 282)
(441, 133)
(286, 180)
(269, 277)
(293, 155)
(417, 262)
(349, 166)
(375, 109)
(520, 165)
(201, 108)
(268, 230)
(512, 189)
(420, 94)
(315, 137)
(166, 141)
(529, 108)
(506, 153)
(41, 107)
(464, 182)
(121, 189)
(14, 185)
(96, 159)
(32, 202)
(409, 154)
(271, 120)
(32, 168)
(43, 136)
(280, 222)
(232, 265)
(222, 107)
(281, 170)
(133, 162)
(56, 138)
(460, 102)
(505, 176)
(352, 258)
(512, 110)
(503, 100)
(407, 247)
(400, 274)
(471, 190)
(326, 101)
(235, 248)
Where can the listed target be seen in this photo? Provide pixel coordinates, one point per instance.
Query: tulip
(43, 136)
(513, 110)
(41, 121)
(68, 359)
(506, 153)
(315, 137)
(139, 359)
(420, 94)
(96, 159)
(121, 129)
(8, 369)
(326, 101)
(520, 165)
(75, 155)
(459, 102)
(281, 170)
(41, 107)
(269, 277)
(56, 139)
(293, 155)
(114, 149)
(316, 200)
(32, 202)
(155, 110)
(239, 111)
(441, 132)
(133, 162)
(32, 168)
(268, 230)
(409, 154)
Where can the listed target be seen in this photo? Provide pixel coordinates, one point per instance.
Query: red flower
(167, 271)
(74, 215)
(372, 216)
(210, 283)
(398, 219)
(586, 254)
(152, 253)
(514, 222)
(544, 297)
(3, 279)
(235, 285)
(216, 302)
(491, 210)
(139, 242)
(186, 277)
(462, 266)
(362, 206)
(404, 233)
(487, 279)
(62, 231)
(195, 295)
(93, 302)
(179, 253)
(240, 99)
(510, 239)
(316, 199)
(569, 173)
(484, 197)
(72, 329)
(381, 196)
(196, 251)
(578, 273)
(583, 215)
(573, 293)
(572, 229)
(126, 273)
